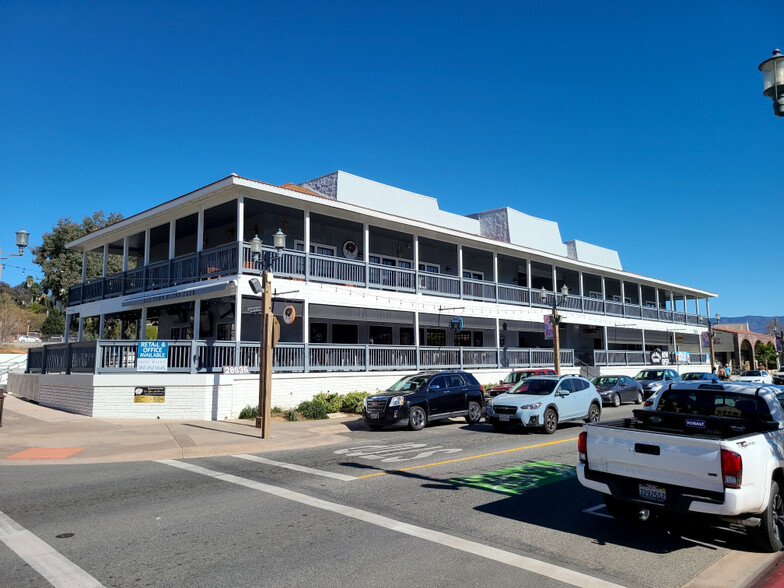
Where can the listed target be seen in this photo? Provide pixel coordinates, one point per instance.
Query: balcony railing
(623, 358)
(222, 261)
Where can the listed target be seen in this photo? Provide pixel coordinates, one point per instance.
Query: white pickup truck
(710, 448)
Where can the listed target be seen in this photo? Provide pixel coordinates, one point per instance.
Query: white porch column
(366, 252)
(623, 293)
(606, 342)
(197, 318)
(172, 240)
(80, 336)
(238, 314)
(639, 295)
(582, 288)
(528, 276)
(416, 265)
(555, 283)
(707, 308)
(125, 254)
(67, 323)
(656, 292)
(643, 342)
(200, 231)
(101, 324)
(460, 264)
(305, 321)
(495, 267)
(240, 243)
(416, 336)
(146, 249)
(84, 266)
(306, 221)
(105, 267)
(604, 291)
(143, 321)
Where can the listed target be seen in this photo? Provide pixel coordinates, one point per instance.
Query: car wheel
(616, 400)
(638, 400)
(550, 420)
(594, 414)
(417, 419)
(474, 413)
(499, 426)
(770, 534)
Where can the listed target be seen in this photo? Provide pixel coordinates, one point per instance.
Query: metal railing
(641, 358)
(222, 261)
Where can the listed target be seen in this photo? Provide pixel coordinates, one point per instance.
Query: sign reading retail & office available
(152, 356)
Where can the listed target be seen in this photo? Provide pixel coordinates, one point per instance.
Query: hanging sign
(456, 324)
(289, 314)
(705, 336)
(152, 356)
(656, 356)
(548, 327)
(350, 250)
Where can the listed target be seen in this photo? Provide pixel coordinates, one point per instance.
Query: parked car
(418, 399)
(778, 376)
(28, 339)
(696, 376)
(758, 376)
(652, 380)
(514, 377)
(544, 401)
(617, 389)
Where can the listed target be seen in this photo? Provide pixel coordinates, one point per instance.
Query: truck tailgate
(679, 460)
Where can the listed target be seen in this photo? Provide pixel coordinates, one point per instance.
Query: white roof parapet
(582, 251)
(346, 187)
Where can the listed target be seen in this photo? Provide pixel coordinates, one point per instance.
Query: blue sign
(152, 356)
(456, 324)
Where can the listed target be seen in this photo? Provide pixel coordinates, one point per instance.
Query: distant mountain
(758, 324)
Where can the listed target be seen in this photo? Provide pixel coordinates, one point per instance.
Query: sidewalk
(32, 434)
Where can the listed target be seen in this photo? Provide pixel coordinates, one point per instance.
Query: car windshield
(696, 376)
(534, 386)
(605, 381)
(714, 403)
(650, 375)
(751, 373)
(409, 383)
(515, 377)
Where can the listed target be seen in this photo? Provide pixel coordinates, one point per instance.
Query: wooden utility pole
(265, 357)
(556, 341)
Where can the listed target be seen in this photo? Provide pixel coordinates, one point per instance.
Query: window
(593, 294)
(318, 248)
(472, 275)
(438, 383)
(318, 332)
(380, 335)
(455, 381)
(463, 339)
(345, 334)
(226, 332)
(406, 336)
(436, 337)
(431, 269)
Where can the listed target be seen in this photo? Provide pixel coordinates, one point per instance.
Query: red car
(514, 378)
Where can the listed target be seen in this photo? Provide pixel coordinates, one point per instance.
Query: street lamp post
(22, 237)
(556, 320)
(773, 80)
(710, 341)
(267, 337)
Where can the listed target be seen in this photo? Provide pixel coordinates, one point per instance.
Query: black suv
(424, 397)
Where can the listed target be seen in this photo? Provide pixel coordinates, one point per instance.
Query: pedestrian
(722, 373)
(728, 371)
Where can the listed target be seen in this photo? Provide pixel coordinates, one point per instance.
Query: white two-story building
(371, 278)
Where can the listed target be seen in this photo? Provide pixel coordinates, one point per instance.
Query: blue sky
(637, 126)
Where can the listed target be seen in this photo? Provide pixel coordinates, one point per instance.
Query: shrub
(353, 402)
(291, 414)
(332, 401)
(277, 409)
(249, 412)
(313, 409)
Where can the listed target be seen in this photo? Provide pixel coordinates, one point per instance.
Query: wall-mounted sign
(682, 357)
(456, 324)
(236, 369)
(656, 356)
(350, 250)
(289, 314)
(152, 356)
(149, 394)
(679, 338)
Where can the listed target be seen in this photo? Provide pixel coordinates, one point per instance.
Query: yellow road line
(429, 465)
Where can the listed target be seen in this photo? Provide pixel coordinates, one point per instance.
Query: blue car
(695, 376)
(544, 401)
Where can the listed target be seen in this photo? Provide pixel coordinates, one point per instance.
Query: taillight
(582, 446)
(648, 403)
(731, 468)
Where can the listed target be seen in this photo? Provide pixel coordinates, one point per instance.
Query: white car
(758, 376)
(28, 339)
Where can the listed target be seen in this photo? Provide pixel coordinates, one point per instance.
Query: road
(452, 504)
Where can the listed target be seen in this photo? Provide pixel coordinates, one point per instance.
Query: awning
(179, 292)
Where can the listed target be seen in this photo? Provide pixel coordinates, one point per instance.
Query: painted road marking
(46, 453)
(395, 453)
(492, 553)
(44, 559)
(430, 465)
(298, 468)
(593, 510)
(520, 478)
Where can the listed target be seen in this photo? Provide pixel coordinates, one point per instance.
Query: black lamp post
(710, 341)
(22, 238)
(267, 338)
(773, 80)
(556, 321)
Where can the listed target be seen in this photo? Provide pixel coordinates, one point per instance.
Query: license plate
(653, 493)
(503, 417)
(373, 415)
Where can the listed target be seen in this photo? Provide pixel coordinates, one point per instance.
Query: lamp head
(564, 290)
(22, 238)
(279, 241)
(543, 294)
(255, 245)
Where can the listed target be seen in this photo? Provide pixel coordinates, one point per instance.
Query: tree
(13, 320)
(765, 353)
(62, 268)
(54, 323)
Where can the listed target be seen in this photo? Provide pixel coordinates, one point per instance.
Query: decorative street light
(773, 80)
(269, 327)
(710, 341)
(22, 237)
(556, 320)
